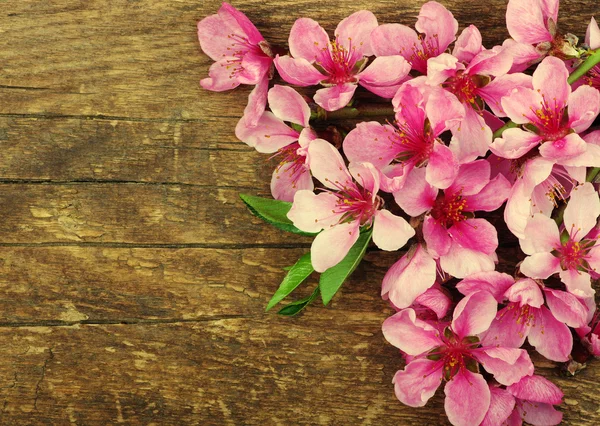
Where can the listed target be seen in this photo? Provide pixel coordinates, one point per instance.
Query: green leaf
(333, 278)
(296, 275)
(295, 307)
(273, 212)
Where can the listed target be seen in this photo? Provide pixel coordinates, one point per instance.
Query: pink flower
(570, 254)
(410, 277)
(423, 113)
(530, 400)
(590, 334)
(539, 186)
(532, 23)
(476, 77)
(241, 55)
(339, 64)
(542, 110)
(454, 356)
(272, 135)
(343, 208)
(463, 244)
(437, 27)
(544, 324)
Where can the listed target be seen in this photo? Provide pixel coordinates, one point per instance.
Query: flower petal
(237, 20)
(354, 32)
(467, 398)
(333, 244)
(313, 212)
(442, 167)
(520, 104)
(550, 337)
(541, 234)
(436, 236)
(461, 262)
(493, 92)
(491, 197)
(494, 282)
(582, 211)
(297, 71)
(327, 165)
(213, 36)
(417, 196)
(468, 44)
(539, 414)
(502, 404)
(540, 265)
(220, 77)
(410, 277)
(307, 39)
(550, 78)
(508, 365)
(336, 97)
(417, 383)
(525, 292)
(394, 39)
(383, 73)
(474, 314)
(471, 178)
(525, 22)
(474, 136)
(515, 143)
(509, 329)
(592, 35)
(563, 149)
(269, 134)
(584, 106)
(536, 389)
(566, 308)
(371, 142)
(437, 23)
(288, 105)
(391, 232)
(475, 234)
(257, 101)
(288, 179)
(410, 334)
(577, 282)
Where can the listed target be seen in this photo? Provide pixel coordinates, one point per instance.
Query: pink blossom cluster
(471, 130)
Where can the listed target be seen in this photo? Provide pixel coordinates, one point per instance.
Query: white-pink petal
(582, 211)
(336, 97)
(313, 212)
(474, 314)
(409, 334)
(417, 383)
(288, 105)
(327, 165)
(541, 234)
(540, 265)
(297, 71)
(307, 39)
(550, 79)
(592, 35)
(354, 32)
(333, 244)
(584, 106)
(467, 398)
(391, 232)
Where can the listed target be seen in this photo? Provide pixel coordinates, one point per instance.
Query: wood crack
(223, 246)
(39, 383)
(4, 181)
(128, 321)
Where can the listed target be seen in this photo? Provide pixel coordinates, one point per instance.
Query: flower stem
(359, 111)
(501, 130)
(592, 173)
(587, 65)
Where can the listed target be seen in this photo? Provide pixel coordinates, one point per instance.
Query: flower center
(355, 203)
(550, 120)
(464, 87)
(449, 209)
(574, 255)
(427, 47)
(592, 78)
(413, 145)
(339, 62)
(455, 354)
(291, 161)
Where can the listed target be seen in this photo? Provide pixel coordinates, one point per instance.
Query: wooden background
(132, 280)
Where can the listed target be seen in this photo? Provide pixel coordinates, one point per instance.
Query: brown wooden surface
(132, 280)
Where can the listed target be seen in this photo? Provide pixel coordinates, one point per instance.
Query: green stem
(592, 173)
(587, 65)
(360, 111)
(501, 130)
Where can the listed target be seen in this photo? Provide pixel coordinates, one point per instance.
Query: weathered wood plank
(131, 214)
(80, 150)
(143, 60)
(237, 371)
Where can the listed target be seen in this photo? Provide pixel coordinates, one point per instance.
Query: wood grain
(132, 279)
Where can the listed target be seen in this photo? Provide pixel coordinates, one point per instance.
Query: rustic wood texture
(133, 281)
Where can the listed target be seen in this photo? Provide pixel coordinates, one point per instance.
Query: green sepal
(295, 276)
(297, 306)
(273, 212)
(332, 279)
